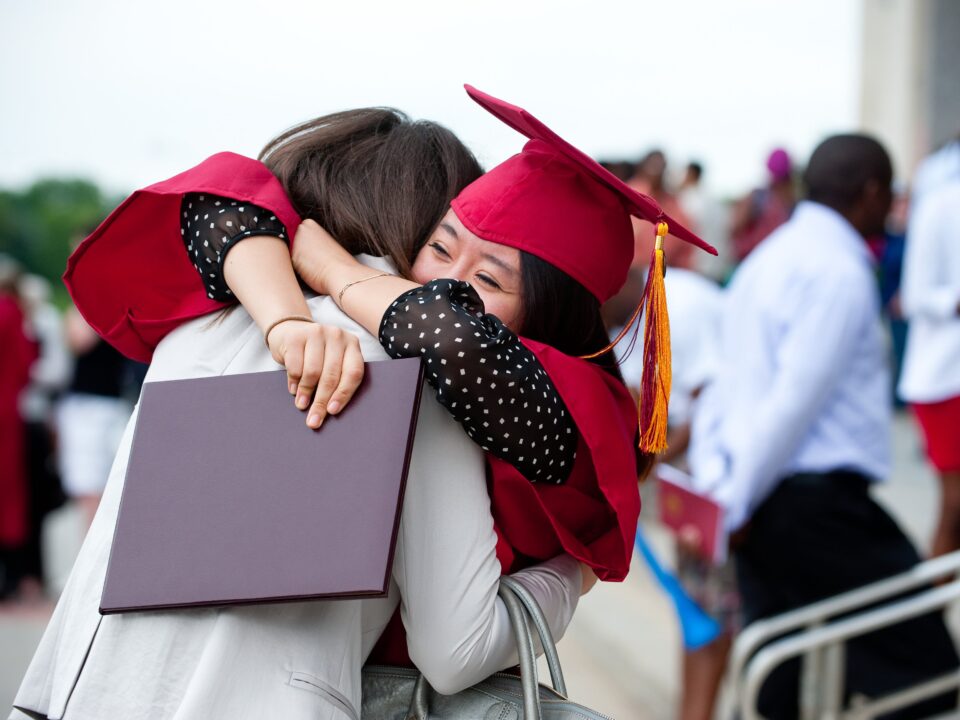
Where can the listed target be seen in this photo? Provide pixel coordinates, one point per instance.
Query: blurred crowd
(65, 397)
(792, 253)
(834, 300)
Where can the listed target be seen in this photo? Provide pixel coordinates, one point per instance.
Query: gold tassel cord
(655, 385)
(618, 338)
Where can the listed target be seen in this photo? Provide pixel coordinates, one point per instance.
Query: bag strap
(525, 649)
(536, 615)
(420, 702)
(522, 609)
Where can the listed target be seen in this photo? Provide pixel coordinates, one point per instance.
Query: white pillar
(910, 90)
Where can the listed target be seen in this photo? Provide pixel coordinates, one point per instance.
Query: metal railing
(815, 635)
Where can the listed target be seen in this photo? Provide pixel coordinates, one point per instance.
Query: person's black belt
(831, 478)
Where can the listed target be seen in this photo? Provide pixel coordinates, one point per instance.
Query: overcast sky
(127, 93)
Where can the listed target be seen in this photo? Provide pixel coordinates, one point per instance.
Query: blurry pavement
(621, 655)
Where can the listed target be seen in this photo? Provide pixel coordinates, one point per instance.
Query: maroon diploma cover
(229, 498)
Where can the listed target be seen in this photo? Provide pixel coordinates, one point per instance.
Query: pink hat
(779, 165)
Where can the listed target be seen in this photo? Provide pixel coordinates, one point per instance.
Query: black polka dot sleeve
(491, 384)
(211, 225)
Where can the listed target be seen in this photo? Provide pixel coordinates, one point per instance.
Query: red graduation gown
(134, 282)
(593, 515)
(17, 354)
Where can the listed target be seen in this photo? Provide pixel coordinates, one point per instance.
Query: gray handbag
(393, 693)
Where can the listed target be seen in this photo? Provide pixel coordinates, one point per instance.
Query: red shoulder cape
(593, 515)
(132, 279)
(16, 356)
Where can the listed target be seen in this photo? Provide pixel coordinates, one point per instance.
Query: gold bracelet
(266, 335)
(357, 282)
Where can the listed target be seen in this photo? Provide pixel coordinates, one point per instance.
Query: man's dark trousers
(816, 536)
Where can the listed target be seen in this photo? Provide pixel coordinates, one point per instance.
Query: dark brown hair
(374, 179)
(559, 311)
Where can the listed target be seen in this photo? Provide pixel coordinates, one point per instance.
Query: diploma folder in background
(229, 498)
(681, 506)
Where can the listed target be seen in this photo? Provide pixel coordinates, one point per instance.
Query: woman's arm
(458, 630)
(484, 376)
(323, 363)
(487, 379)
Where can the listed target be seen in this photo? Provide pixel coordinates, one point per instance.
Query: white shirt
(693, 306)
(936, 170)
(930, 295)
(803, 382)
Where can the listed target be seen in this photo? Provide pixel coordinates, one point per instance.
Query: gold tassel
(655, 385)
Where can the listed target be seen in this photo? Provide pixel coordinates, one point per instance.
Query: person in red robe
(17, 356)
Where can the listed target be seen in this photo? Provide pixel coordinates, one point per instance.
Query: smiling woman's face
(493, 270)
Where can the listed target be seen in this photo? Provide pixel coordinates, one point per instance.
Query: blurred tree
(39, 225)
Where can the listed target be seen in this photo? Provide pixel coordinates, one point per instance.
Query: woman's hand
(318, 258)
(324, 365)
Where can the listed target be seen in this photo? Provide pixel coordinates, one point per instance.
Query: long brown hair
(374, 179)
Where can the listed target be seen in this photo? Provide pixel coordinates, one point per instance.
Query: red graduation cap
(557, 203)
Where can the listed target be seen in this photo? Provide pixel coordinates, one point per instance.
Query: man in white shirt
(796, 426)
(936, 170)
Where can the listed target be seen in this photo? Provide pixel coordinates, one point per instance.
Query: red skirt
(940, 422)
(13, 482)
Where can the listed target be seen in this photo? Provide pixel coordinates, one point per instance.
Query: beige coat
(298, 660)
